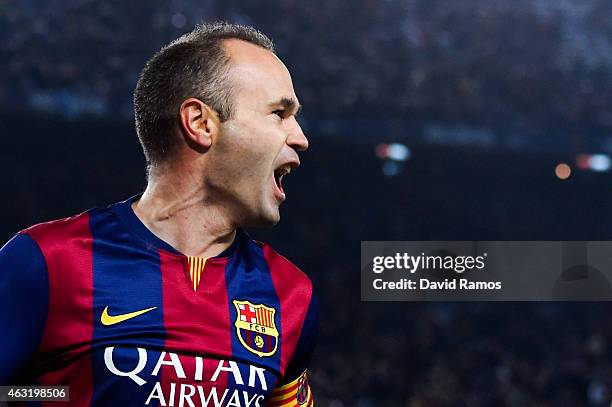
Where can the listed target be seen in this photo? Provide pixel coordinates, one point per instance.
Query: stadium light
(563, 171)
(599, 162)
(393, 151)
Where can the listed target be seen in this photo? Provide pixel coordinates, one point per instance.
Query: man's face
(260, 142)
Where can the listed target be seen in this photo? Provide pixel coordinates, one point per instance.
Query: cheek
(244, 156)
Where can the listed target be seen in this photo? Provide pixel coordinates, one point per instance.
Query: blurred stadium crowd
(537, 66)
(525, 63)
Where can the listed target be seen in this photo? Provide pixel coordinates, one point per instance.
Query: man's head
(220, 99)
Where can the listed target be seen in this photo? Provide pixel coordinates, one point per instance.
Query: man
(163, 299)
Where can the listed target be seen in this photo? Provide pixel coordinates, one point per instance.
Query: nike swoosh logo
(115, 319)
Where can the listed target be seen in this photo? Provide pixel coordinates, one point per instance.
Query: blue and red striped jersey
(99, 303)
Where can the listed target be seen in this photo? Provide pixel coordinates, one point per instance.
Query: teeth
(284, 170)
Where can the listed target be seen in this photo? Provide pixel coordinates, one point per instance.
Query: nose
(296, 138)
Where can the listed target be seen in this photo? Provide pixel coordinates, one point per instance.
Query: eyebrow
(289, 104)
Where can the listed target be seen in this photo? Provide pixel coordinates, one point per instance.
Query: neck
(181, 214)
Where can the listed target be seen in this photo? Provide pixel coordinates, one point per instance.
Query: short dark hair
(194, 65)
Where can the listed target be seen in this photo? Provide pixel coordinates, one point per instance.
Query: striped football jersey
(99, 303)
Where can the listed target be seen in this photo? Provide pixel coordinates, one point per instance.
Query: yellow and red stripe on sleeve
(294, 394)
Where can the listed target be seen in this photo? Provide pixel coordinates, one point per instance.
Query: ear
(199, 123)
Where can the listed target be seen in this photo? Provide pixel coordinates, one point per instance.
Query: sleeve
(24, 297)
(294, 388)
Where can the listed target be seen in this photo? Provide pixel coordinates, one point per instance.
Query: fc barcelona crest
(255, 327)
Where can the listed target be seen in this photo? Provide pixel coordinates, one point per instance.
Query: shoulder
(286, 275)
(59, 233)
(52, 227)
(59, 236)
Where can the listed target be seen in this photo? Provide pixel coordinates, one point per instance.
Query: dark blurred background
(440, 120)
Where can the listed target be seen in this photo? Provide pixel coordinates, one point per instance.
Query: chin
(266, 219)
(270, 221)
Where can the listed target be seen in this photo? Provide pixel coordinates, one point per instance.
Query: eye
(280, 113)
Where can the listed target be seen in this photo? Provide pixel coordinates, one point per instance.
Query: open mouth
(279, 173)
